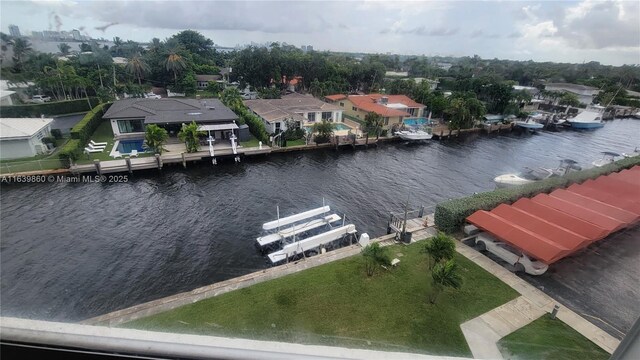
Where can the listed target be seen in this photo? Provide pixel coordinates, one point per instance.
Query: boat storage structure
(299, 233)
(549, 227)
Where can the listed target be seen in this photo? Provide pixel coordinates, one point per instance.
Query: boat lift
(295, 230)
(276, 224)
(313, 242)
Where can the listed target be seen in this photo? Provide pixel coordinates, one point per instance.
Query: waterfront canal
(71, 251)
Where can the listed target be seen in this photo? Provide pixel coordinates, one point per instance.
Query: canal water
(73, 251)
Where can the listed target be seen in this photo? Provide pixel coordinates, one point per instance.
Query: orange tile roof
(402, 99)
(335, 97)
(368, 104)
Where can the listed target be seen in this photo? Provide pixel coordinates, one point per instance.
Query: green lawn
(103, 133)
(549, 339)
(253, 142)
(337, 304)
(296, 142)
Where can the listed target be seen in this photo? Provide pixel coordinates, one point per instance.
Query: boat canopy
(272, 225)
(549, 227)
(610, 153)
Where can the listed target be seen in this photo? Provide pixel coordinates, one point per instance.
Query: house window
(311, 116)
(40, 135)
(354, 108)
(342, 104)
(386, 120)
(277, 127)
(327, 115)
(130, 126)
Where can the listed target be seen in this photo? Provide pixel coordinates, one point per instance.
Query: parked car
(152, 96)
(514, 257)
(40, 99)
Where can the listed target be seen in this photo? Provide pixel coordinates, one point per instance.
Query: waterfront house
(129, 117)
(392, 108)
(585, 94)
(304, 110)
(22, 137)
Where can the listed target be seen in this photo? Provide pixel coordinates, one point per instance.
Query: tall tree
(175, 63)
(21, 47)
(372, 124)
(138, 67)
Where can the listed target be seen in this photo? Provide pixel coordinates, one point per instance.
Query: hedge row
(48, 109)
(450, 215)
(85, 127)
(71, 151)
(256, 126)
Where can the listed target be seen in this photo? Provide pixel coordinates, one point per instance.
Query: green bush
(85, 127)
(450, 215)
(48, 109)
(56, 133)
(71, 151)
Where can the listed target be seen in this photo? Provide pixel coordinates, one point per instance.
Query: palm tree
(444, 274)
(175, 63)
(374, 255)
(138, 67)
(439, 247)
(323, 131)
(231, 98)
(21, 47)
(191, 136)
(372, 124)
(117, 46)
(154, 138)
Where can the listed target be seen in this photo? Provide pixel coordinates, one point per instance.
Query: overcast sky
(563, 31)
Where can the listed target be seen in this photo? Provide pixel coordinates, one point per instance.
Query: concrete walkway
(483, 332)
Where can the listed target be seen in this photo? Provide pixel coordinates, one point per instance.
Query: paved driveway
(66, 122)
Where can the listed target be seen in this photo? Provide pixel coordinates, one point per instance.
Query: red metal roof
(550, 227)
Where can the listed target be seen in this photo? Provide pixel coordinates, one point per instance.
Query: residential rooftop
(171, 110)
(395, 104)
(21, 128)
(289, 106)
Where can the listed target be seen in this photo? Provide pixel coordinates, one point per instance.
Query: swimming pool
(125, 146)
(416, 121)
(341, 126)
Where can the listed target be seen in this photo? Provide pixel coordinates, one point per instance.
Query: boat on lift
(636, 152)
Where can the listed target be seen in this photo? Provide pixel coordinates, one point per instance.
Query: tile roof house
(392, 108)
(22, 137)
(304, 109)
(585, 94)
(130, 116)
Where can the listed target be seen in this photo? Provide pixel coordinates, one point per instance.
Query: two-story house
(392, 108)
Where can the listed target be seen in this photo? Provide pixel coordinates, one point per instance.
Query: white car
(152, 96)
(40, 99)
(519, 260)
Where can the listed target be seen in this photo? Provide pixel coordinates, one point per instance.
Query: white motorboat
(414, 135)
(529, 124)
(636, 152)
(525, 177)
(607, 158)
(590, 118)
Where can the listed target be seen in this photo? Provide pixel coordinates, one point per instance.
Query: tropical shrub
(450, 215)
(70, 152)
(374, 255)
(154, 138)
(444, 274)
(191, 136)
(323, 131)
(438, 248)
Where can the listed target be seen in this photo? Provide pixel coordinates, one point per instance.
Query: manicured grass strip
(103, 133)
(549, 339)
(337, 304)
(296, 142)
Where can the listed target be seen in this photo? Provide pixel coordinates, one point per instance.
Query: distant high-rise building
(14, 31)
(309, 48)
(37, 35)
(306, 48)
(76, 35)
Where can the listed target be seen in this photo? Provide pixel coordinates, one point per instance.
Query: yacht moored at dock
(590, 118)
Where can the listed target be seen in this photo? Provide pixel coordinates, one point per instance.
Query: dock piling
(96, 163)
(184, 161)
(127, 160)
(159, 161)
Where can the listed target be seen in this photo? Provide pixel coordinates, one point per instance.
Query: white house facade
(22, 137)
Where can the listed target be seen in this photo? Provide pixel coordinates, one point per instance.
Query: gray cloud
(477, 33)
(514, 35)
(423, 31)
